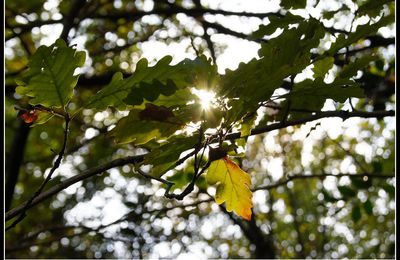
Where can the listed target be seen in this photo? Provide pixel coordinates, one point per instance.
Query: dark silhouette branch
(323, 114)
(206, 36)
(48, 178)
(136, 159)
(176, 10)
(69, 21)
(294, 177)
(263, 245)
(23, 242)
(14, 161)
(65, 184)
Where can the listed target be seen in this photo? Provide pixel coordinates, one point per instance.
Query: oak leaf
(233, 186)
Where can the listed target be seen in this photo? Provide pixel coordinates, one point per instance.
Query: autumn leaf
(29, 116)
(232, 186)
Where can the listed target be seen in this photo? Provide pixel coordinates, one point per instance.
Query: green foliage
(368, 207)
(150, 82)
(372, 8)
(346, 192)
(285, 55)
(50, 79)
(310, 95)
(361, 31)
(295, 4)
(277, 22)
(152, 110)
(321, 67)
(164, 157)
(339, 90)
(356, 213)
(351, 69)
(139, 129)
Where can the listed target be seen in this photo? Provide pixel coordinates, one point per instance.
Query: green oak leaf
(256, 81)
(321, 67)
(140, 127)
(352, 68)
(372, 8)
(275, 23)
(310, 95)
(362, 31)
(151, 82)
(164, 157)
(295, 4)
(50, 80)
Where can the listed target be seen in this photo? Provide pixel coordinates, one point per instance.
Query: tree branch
(65, 184)
(177, 9)
(69, 20)
(48, 178)
(323, 114)
(14, 161)
(135, 159)
(294, 177)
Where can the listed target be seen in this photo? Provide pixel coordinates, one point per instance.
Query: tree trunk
(14, 161)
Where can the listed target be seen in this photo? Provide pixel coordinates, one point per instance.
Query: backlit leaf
(141, 128)
(50, 79)
(362, 31)
(233, 186)
(151, 82)
(164, 157)
(295, 4)
(256, 81)
(351, 69)
(321, 67)
(275, 23)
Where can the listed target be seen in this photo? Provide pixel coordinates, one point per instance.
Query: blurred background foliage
(119, 214)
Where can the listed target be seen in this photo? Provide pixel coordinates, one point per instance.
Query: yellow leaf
(233, 186)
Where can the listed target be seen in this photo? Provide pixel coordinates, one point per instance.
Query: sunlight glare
(207, 98)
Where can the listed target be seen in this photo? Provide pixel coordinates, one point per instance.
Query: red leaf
(29, 116)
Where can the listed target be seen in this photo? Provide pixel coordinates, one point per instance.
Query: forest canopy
(215, 129)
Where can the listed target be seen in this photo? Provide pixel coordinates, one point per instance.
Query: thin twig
(48, 178)
(136, 159)
(356, 161)
(188, 188)
(293, 177)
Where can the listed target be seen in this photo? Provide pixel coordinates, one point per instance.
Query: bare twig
(69, 21)
(293, 177)
(188, 188)
(356, 161)
(48, 178)
(65, 184)
(122, 161)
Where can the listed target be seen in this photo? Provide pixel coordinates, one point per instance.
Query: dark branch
(294, 177)
(136, 159)
(69, 20)
(48, 178)
(14, 161)
(324, 114)
(172, 11)
(65, 184)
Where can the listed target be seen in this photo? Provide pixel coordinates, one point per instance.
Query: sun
(207, 98)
